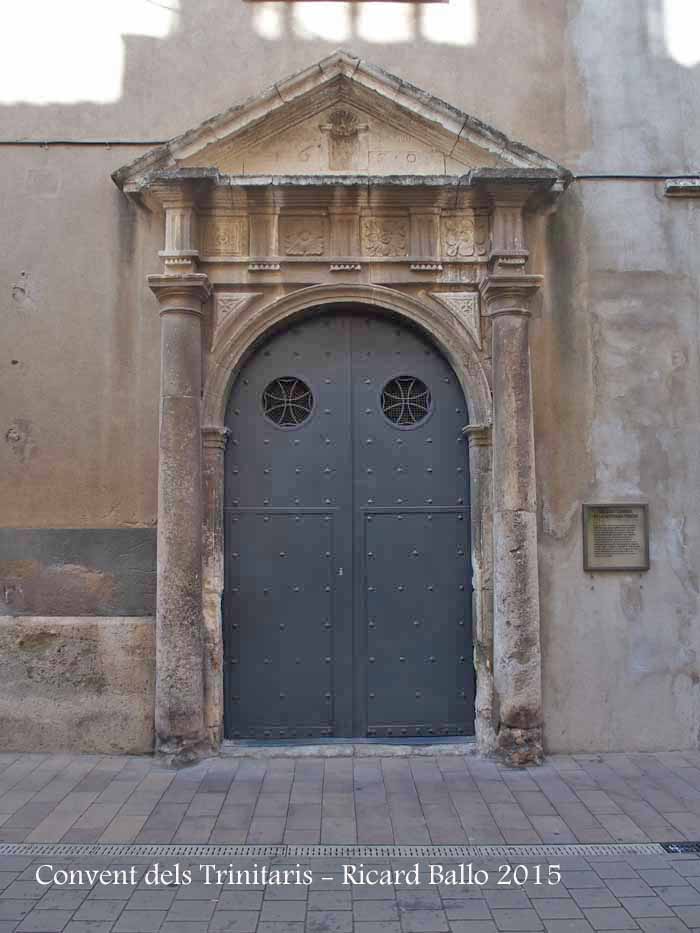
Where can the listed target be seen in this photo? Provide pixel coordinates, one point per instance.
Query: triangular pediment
(342, 116)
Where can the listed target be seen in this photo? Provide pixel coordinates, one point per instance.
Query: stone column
(179, 712)
(516, 623)
(214, 439)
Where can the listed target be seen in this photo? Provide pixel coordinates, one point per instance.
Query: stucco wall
(615, 364)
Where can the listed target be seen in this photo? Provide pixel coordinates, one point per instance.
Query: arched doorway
(347, 596)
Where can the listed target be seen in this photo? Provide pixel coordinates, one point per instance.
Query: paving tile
(284, 927)
(190, 910)
(524, 919)
(610, 918)
(424, 921)
(277, 911)
(86, 926)
(630, 887)
(234, 921)
(378, 926)
(374, 910)
(614, 870)
(598, 897)
(504, 899)
(560, 908)
(94, 910)
(139, 921)
(15, 908)
(415, 900)
(240, 900)
(567, 926)
(45, 921)
(57, 899)
(646, 907)
(329, 921)
(466, 909)
(679, 896)
(689, 915)
(473, 926)
(664, 925)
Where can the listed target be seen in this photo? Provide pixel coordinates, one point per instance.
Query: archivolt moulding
(244, 328)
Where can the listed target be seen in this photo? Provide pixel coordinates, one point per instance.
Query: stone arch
(249, 326)
(454, 342)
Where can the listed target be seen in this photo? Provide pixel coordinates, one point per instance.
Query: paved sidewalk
(421, 800)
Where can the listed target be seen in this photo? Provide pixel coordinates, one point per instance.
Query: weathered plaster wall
(77, 684)
(615, 359)
(616, 379)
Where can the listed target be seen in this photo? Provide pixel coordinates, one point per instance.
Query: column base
(519, 747)
(181, 751)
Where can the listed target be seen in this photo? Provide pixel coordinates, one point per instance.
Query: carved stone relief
(303, 236)
(227, 306)
(465, 307)
(465, 236)
(223, 236)
(384, 236)
(343, 129)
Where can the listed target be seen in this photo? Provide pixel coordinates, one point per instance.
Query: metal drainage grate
(681, 848)
(36, 849)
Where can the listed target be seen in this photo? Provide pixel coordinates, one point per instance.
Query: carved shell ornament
(343, 123)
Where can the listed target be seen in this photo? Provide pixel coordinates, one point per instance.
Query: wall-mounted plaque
(615, 536)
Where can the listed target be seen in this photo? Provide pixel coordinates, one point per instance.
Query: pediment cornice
(389, 123)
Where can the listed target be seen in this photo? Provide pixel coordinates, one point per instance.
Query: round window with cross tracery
(406, 401)
(287, 401)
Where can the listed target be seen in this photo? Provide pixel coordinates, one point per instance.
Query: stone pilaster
(480, 466)
(179, 717)
(516, 623)
(214, 440)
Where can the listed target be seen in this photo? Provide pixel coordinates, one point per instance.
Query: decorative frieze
(384, 236)
(223, 235)
(465, 235)
(302, 236)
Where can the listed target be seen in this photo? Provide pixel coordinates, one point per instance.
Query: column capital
(509, 294)
(478, 435)
(180, 293)
(215, 436)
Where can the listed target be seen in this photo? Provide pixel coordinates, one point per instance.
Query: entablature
(425, 225)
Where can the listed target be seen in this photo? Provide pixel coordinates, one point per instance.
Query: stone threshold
(334, 748)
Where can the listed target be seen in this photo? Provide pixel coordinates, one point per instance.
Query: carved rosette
(465, 236)
(465, 307)
(222, 236)
(384, 236)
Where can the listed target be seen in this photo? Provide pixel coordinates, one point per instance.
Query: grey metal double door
(347, 577)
